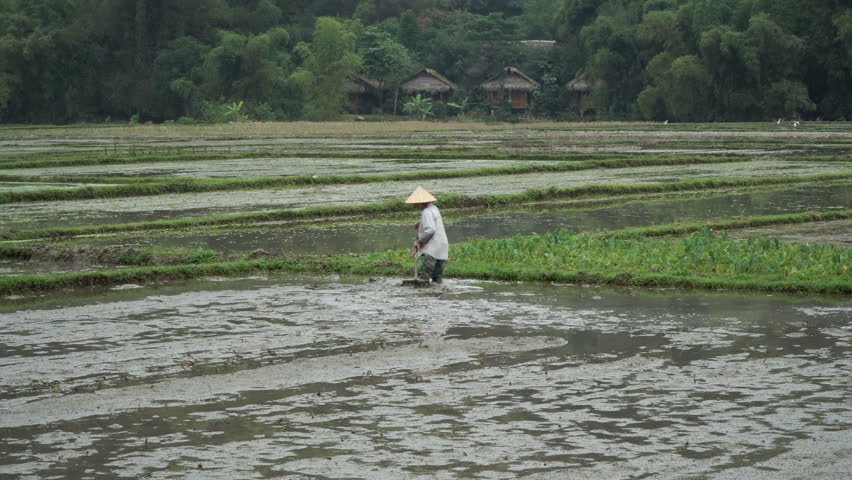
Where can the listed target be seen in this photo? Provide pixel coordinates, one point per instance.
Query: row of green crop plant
(194, 185)
(447, 202)
(702, 259)
(703, 253)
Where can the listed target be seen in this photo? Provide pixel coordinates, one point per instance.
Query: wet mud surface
(332, 378)
(89, 212)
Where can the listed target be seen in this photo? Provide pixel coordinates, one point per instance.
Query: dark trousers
(431, 268)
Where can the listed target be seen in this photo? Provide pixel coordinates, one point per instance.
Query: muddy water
(350, 378)
(63, 213)
(14, 267)
(360, 238)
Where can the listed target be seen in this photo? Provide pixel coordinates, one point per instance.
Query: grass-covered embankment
(177, 155)
(194, 185)
(111, 255)
(447, 153)
(697, 260)
(447, 202)
(704, 260)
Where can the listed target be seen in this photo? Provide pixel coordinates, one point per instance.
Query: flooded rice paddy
(327, 377)
(379, 236)
(266, 167)
(121, 210)
(317, 377)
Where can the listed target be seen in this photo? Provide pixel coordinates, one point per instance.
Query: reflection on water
(359, 238)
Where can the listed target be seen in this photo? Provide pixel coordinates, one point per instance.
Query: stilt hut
(517, 85)
(431, 84)
(363, 92)
(582, 90)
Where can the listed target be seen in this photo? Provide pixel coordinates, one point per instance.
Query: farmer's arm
(427, 228)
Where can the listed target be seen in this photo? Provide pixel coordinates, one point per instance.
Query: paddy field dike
(623, 300)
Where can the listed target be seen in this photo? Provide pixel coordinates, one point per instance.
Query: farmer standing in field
(431, 244)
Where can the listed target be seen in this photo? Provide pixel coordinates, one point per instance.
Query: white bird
(778, 122)
(795, 123)
(666, 122)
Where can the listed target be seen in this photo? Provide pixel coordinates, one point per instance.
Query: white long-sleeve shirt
(431, 234)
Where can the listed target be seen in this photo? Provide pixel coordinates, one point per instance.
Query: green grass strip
(732, 224)
(446, 202)
(701, 260)
(82, 179)
(110, 255)
(461, 153)
(190, 185)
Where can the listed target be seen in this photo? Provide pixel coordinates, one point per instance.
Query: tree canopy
(684, 60)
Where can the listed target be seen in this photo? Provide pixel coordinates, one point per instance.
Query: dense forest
(217, 60)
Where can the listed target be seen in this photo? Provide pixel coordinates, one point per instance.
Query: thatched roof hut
(429, 83)
(363, 92)
(510, 79)
(581, 84)
(583, 89)
(517, 84)
(357, 84)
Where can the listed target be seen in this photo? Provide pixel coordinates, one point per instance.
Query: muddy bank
(350, 378)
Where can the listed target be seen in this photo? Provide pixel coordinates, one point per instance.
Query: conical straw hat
(421, 196)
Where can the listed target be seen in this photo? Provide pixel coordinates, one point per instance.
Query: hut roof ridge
(442, 83)
(365, 79)
(494, 84)
(440, 77)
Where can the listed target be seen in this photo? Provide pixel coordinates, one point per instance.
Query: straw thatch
(582, 89)
(428, 81)
(358, 84)
(538, 43)
(512, 79)
(581, 84)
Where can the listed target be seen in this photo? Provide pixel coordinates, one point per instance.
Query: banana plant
(418, 105)
(462, 106)
(235, 113)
